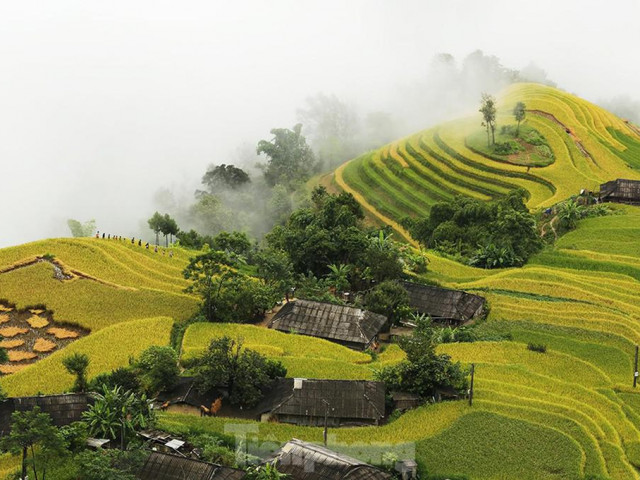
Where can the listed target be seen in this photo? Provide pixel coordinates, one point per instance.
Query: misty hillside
(576, 145)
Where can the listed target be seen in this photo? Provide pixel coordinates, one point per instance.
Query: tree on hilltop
(291, 160)
(488, 110)
(223, 176)
(519, 112)
(156, 223)
(79, 229)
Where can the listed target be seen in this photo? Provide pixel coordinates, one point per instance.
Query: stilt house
(621, 191)
(445, 305)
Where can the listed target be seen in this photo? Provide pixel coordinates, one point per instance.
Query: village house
(621, 191)
(349, 326)
(307, 461)
(444, 305)
(167, 466)
(304, 401)
(64, 409)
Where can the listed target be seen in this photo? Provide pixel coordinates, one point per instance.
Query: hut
(621, 191)
(166, 466)
(348, 326)
(445, 305)
(302, 401)
(306, 461)
(64, 409)
(406, 401)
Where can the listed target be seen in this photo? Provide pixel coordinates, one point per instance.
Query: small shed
(166, 466)
(349, 326)
(302, 401)
(307, 461)
(406, 401)
(64, 409)
(444, 304)
(621, 191)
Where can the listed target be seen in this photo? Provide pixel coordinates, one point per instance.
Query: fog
(105, 104)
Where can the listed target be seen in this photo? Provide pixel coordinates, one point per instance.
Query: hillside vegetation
(404, 178)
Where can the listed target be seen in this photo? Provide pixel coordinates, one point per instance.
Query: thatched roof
(443, 303)
(348, 399)
(166, 466)
(306, 461)
(333, 322)
(621, 190)
(64, 408)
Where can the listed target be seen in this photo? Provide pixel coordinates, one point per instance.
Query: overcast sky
(102, 103)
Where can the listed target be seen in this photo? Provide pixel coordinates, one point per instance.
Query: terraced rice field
(405, 178)
(569, 413)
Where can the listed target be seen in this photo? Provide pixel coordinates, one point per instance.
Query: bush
(537, 347)
(158, 368)
(507, 148)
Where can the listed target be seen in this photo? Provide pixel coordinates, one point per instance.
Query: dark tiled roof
(333, 322)
(443, 303)
(63, 409)
(348, 399)
(166, 466)
(306, 461)
(621, 190)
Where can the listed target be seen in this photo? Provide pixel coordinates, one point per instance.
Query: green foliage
(110, 464)
(267, 471)
(214, 449)
(124, 377)
(537, 347)
(290, 159)
(75, 436)
(507, 148)
(492, 234)
(488, 110)
(276, 269)
(225, 176)
(424, 370)
(77, 364)
(32, 432)
(388, 298)
(158, 369)
(79, 229)
(244, 373)
(237, 243)
(519, 112)
(117, 414)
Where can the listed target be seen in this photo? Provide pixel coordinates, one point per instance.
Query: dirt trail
(60, 271)
(576, 140)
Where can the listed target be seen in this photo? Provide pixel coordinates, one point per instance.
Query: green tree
(276, 270)
(124, 377)
(423, 371)
(77, 364)
(79, 229)
(519, 112)
(488, 110)
(158, 368)
(338, 277)
(168, 227)
(244, 373)
(156, 223)
(117, 414)
(290, 159)
(208, 273)
(32, 431)
(233, 242)
(388, 298)
(225, 176)
(569, 213)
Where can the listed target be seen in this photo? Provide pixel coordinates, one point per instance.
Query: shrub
(507, 148)
(537, 347)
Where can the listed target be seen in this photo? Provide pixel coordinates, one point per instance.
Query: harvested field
(37, 322)
(43, 345)
(62, 333)
(20, 355)
(32, 334)
(9, 332)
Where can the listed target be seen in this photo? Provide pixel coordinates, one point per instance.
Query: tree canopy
(290, 159)
(79, 229)
(243, 373)
(225, 176)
